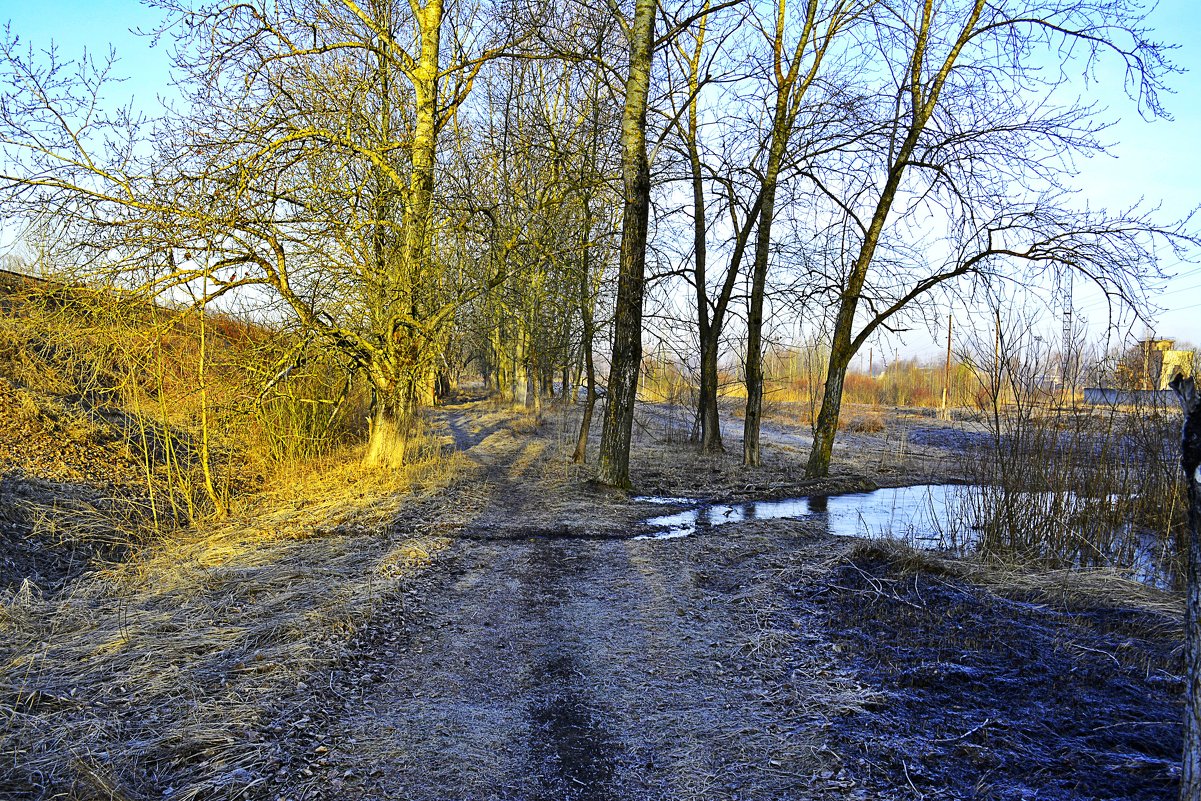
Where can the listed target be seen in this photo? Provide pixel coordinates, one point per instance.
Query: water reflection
(926, 516)
(913, 513)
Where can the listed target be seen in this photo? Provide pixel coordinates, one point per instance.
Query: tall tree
(626, 357)
(712, 306)
(792, 75)
(971, 137)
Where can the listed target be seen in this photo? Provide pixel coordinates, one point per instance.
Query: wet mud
(571, 750)
(572, 746)
(987, 697)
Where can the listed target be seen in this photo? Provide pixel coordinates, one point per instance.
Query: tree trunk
(587, 337)
(580, 456)
(533, 380)
(708, 411)
(581, 446)
(520, 385)
(627, 325)
(843, 345)
(781, 128)
(1190, 773)
(424, 76)
(754, 365)
(708, 430)
(389, 430)
(827, 419)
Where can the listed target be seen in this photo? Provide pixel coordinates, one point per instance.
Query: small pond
(915, 514)
(931, 516)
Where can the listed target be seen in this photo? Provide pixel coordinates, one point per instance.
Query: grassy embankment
(197, 549)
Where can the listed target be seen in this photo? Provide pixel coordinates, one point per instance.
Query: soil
(545, 654)
(989, 697)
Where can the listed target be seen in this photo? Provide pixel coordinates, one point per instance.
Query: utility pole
(1146, 382)
(997, 354)
(946, 377)
(997, 341)
(1067, 334)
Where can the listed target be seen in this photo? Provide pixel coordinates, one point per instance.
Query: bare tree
(969, 136)
(304, 169)
(792, 75)
(698, 65)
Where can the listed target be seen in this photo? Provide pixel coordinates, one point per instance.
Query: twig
(1096, 651)
(966, 734)
(916, 792)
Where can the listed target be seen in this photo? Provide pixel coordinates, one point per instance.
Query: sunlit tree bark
(614, 465)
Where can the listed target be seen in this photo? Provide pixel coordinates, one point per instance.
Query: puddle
(933, 516)
(916, 514)
(663, 500)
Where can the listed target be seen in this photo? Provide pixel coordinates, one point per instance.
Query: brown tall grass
(199, 399)
(794, 379)
(1072, 486)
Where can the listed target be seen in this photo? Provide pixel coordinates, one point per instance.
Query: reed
(1073, 487)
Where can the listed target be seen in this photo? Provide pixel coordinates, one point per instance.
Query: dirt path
(565, 665)
(550, 656)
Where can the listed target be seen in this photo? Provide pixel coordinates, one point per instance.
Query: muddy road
(546, 655)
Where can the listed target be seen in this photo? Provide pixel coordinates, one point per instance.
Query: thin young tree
(793, 72)
(710, 176)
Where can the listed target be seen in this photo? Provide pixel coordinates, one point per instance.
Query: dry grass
(1069, 588)
(96, 362)
(162, 675)
(870, 421)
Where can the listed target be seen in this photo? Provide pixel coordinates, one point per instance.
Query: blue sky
(1159, 161)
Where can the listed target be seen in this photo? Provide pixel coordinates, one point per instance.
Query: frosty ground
(495, 631)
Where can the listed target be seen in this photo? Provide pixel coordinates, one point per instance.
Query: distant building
(1173, 362)
(1142, 375)
(1151, 365)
